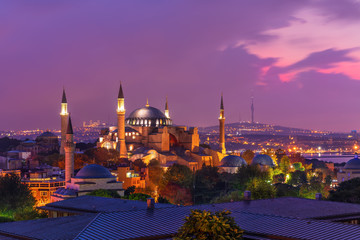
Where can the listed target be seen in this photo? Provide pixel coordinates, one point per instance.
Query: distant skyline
(299, 59)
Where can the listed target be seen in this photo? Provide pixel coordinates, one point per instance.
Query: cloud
(318, 61)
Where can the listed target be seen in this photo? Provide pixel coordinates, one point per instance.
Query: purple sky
(299, 58)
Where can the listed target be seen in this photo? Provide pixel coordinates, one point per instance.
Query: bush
(206, 225)
(104, 193)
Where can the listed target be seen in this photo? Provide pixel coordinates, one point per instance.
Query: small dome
(233, 161)
(353, 163)
(47, 134)
(94, 171)
(148, 116)
(263, 160)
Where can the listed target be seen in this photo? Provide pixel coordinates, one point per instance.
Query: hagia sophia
(146, 134)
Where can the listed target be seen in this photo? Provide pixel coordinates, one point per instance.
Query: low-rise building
(350, 170)
(89, 178)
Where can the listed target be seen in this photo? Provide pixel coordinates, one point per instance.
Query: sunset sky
(299, 59)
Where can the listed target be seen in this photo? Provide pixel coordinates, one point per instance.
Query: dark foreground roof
(290, 218)
(47, 228)
(166, 221)
(93, 204)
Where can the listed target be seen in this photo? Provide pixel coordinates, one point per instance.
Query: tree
(280, 178)
(14, 194)
(208, 184)
(348, 191)
(285, 165)
(176, 184)
(102, 156)
(285, 190)
(178, 174)
(298, 166)
(247, 173)
(279, 153)
(104, 193)
(248, 155)
(204, 225)
(156, 172)
(129, 191)
(233, 196)
(6, 144)
(80, 160)
(138, 164)
(328, 180)
(297, 178)
(16, 201)
(261, 189)
(138, 196)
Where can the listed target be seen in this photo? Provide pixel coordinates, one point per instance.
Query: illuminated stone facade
(149, 134)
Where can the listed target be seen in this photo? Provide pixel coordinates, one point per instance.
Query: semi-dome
(94, 171)
(233, 161)
(148, 116)
(353, 163)
(263, 160)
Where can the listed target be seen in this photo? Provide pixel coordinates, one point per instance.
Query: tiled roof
(290, 218)
(294, 207)
(48, 228)
(165, 222)
(101, 204)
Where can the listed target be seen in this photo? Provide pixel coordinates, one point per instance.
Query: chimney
(150, 203)
(318, 196)
(247, 195)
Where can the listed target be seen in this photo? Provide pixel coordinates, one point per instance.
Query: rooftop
(288, 218)
(93, 204)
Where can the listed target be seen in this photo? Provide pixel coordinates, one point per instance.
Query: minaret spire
(69, 152)
(252, 109)
(64, 97)
(222, 127)
(167, 114)
(64, 115)
(121, 145)
(121, 94)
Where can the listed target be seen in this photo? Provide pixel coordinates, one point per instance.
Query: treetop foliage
(204, 225)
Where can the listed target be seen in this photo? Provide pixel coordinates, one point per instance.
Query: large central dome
(148, 117)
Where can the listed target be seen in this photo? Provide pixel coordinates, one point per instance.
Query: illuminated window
(43, 193)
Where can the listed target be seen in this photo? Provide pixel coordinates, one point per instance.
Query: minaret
(252, 110)
(69, 147)
(121, 124)
(167, 114)
(64, 121)
(222, 127)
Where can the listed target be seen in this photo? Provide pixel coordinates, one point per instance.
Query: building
(232, 163)
(350, 170)
(131, 178)
(44, 143)
(89, 178)
(3, 173)
(43, 187)
(263, 160)
(280, 218)
(151, 131)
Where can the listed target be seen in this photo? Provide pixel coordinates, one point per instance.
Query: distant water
(331, 157)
